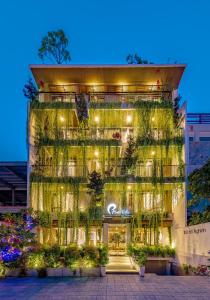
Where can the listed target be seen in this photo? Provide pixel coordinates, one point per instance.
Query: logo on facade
(112, 210)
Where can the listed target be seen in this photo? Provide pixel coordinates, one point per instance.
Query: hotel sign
(112, 210)
(196, 231)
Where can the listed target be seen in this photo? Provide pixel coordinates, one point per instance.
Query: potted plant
(141, 259)
(88, 261)
(12, 264)
(35, 264)
(103, 259)
(186, 269)
(53, 261)
(71, 261)
(2, 269)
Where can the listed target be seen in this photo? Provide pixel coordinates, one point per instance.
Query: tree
(176, 105)
(95, 186)
(199, 183)
(54, 47)
(136, 59)
(130, 157)
(30, 91)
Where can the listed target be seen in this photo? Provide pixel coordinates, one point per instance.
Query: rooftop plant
(54, 47)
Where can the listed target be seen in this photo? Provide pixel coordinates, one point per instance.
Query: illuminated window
(148, 201)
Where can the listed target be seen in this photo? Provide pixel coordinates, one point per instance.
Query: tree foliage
(199, 183)
(136, 59)
(130, 156)
(30, 91)
(95, 186)
(54, 47)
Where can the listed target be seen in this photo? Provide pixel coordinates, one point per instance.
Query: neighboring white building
(198, 129)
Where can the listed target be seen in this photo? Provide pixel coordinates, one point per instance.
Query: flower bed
(155, 259)
(20, 255)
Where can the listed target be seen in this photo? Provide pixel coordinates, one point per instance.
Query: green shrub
(71, 256)
(35, 260)
(89, 256)
(103, 255)
(141, 258)
(52, 256)
(2, 269)
(160, 251)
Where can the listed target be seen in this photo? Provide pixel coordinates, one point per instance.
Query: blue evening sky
(100, 31)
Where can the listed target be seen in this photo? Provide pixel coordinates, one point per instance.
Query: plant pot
(2, 273)
(66, 272)
(191, 273)
(42, 273)
(90, 272)
(77, 272)
(12, 272)
(142, 271)
(54, 272)
(102, 271)
(32, 273)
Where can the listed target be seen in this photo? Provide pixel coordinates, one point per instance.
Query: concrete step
(120, 265)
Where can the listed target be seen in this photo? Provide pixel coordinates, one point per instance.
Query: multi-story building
(198, 128)
(113, 128)
(198, 131)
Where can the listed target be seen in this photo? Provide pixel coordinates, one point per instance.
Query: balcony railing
(93, 97)
(120, 134)
(75, 170)
(56, 97)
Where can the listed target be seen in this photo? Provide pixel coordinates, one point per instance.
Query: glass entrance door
(117, 239)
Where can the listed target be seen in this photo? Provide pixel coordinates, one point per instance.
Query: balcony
(117, 135)
(57, 97)
(145, 173)
(103, 100)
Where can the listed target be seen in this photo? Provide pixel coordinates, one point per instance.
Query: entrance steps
(120, 265)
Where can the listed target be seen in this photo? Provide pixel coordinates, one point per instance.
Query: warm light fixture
(153, 152)
(96, 153)
(62, 187)
(97, 119)
(62, 119)
(129, 187)
(153, 119)
(129, 119)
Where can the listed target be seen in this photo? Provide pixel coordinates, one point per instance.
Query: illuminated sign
(112, 210)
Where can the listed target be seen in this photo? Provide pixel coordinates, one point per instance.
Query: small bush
(103, 258)
(89, 256)
(160, 251)
(35, 260)
(52, 256)
(71, 256)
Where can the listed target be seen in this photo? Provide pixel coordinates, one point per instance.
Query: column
(105, 233)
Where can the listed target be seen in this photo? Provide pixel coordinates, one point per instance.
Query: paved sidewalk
(112, 287)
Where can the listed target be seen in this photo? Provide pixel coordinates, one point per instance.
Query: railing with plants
(105, 97)
(75, 170)
(155, 136)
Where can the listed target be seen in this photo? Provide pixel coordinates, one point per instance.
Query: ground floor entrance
(117, 237)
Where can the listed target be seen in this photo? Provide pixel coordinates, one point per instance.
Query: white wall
(192, 244)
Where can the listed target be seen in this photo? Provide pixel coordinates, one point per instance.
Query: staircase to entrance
(120, 265)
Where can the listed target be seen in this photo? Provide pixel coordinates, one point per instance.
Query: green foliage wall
(60, 140)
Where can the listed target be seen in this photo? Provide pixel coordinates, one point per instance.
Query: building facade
(106, 154)
(198, 128)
